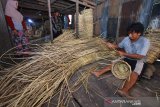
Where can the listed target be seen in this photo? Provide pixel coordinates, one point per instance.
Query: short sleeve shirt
(141, 46)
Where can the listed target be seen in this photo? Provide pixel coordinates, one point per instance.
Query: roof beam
(65, 2)
(69, 7)
(82, 3)
(52, 1)
(89, 2)
(36, 6)
(33, 6)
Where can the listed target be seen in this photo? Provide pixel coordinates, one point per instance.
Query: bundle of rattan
(154, 51)
(47, 74)
(66, 36)
(86, 23)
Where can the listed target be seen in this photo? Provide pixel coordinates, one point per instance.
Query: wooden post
(77, 18)
(5, 38)
(119, 21)
(50, 19)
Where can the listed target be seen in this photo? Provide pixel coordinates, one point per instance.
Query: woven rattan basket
(121, 69)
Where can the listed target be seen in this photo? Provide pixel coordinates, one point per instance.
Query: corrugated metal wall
(116, 15)
(130, 13)
(5, 40)
(97, 17)
(146, 12)
(101, 19)
(113, 21)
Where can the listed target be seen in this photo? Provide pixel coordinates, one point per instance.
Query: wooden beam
(50, 19)
(58, 5)
(34, 13)
(77, 18)
(89, 2)
(52, 1)
(33, 6)
(85, 4)
(37, 6)
(68, 7)
(65, 2)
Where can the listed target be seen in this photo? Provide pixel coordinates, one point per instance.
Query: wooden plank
(89, 2)
(33, 6)
(85, 4)
(64, 2)
(36, 6)
(52, 1)
(68, 7)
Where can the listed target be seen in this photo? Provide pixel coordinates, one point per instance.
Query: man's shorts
(136, 65)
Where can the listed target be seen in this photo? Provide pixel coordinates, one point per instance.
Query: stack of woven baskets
(86, 23)
(154, 51)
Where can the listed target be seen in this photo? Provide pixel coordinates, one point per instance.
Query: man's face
(56, 14)
(134, 36)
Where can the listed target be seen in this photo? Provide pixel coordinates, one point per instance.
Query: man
(57, 24)
(135, 48)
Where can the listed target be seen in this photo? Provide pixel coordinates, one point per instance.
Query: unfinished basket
(121, 69)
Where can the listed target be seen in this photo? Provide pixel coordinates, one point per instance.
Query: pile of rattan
(86, 23)
(154, 51)
(47, 74)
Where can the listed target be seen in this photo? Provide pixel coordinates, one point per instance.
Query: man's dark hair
(55, 11)
(136, 27)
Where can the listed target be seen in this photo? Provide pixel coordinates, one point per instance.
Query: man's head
(135, 30)
(56, 13)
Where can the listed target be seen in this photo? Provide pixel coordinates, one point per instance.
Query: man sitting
(135, 48)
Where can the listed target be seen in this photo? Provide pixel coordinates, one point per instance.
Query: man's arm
(135, 56)
(113, 46)
(110, 45)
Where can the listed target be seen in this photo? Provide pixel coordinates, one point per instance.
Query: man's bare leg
(128, 85)
(102, 71)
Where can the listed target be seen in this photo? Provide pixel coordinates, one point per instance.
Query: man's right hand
(15, 32)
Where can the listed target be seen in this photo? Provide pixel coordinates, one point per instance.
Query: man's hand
(121, 53)
(110, 45)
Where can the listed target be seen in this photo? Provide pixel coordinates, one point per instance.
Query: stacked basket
(86, 23)
(154, 51)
